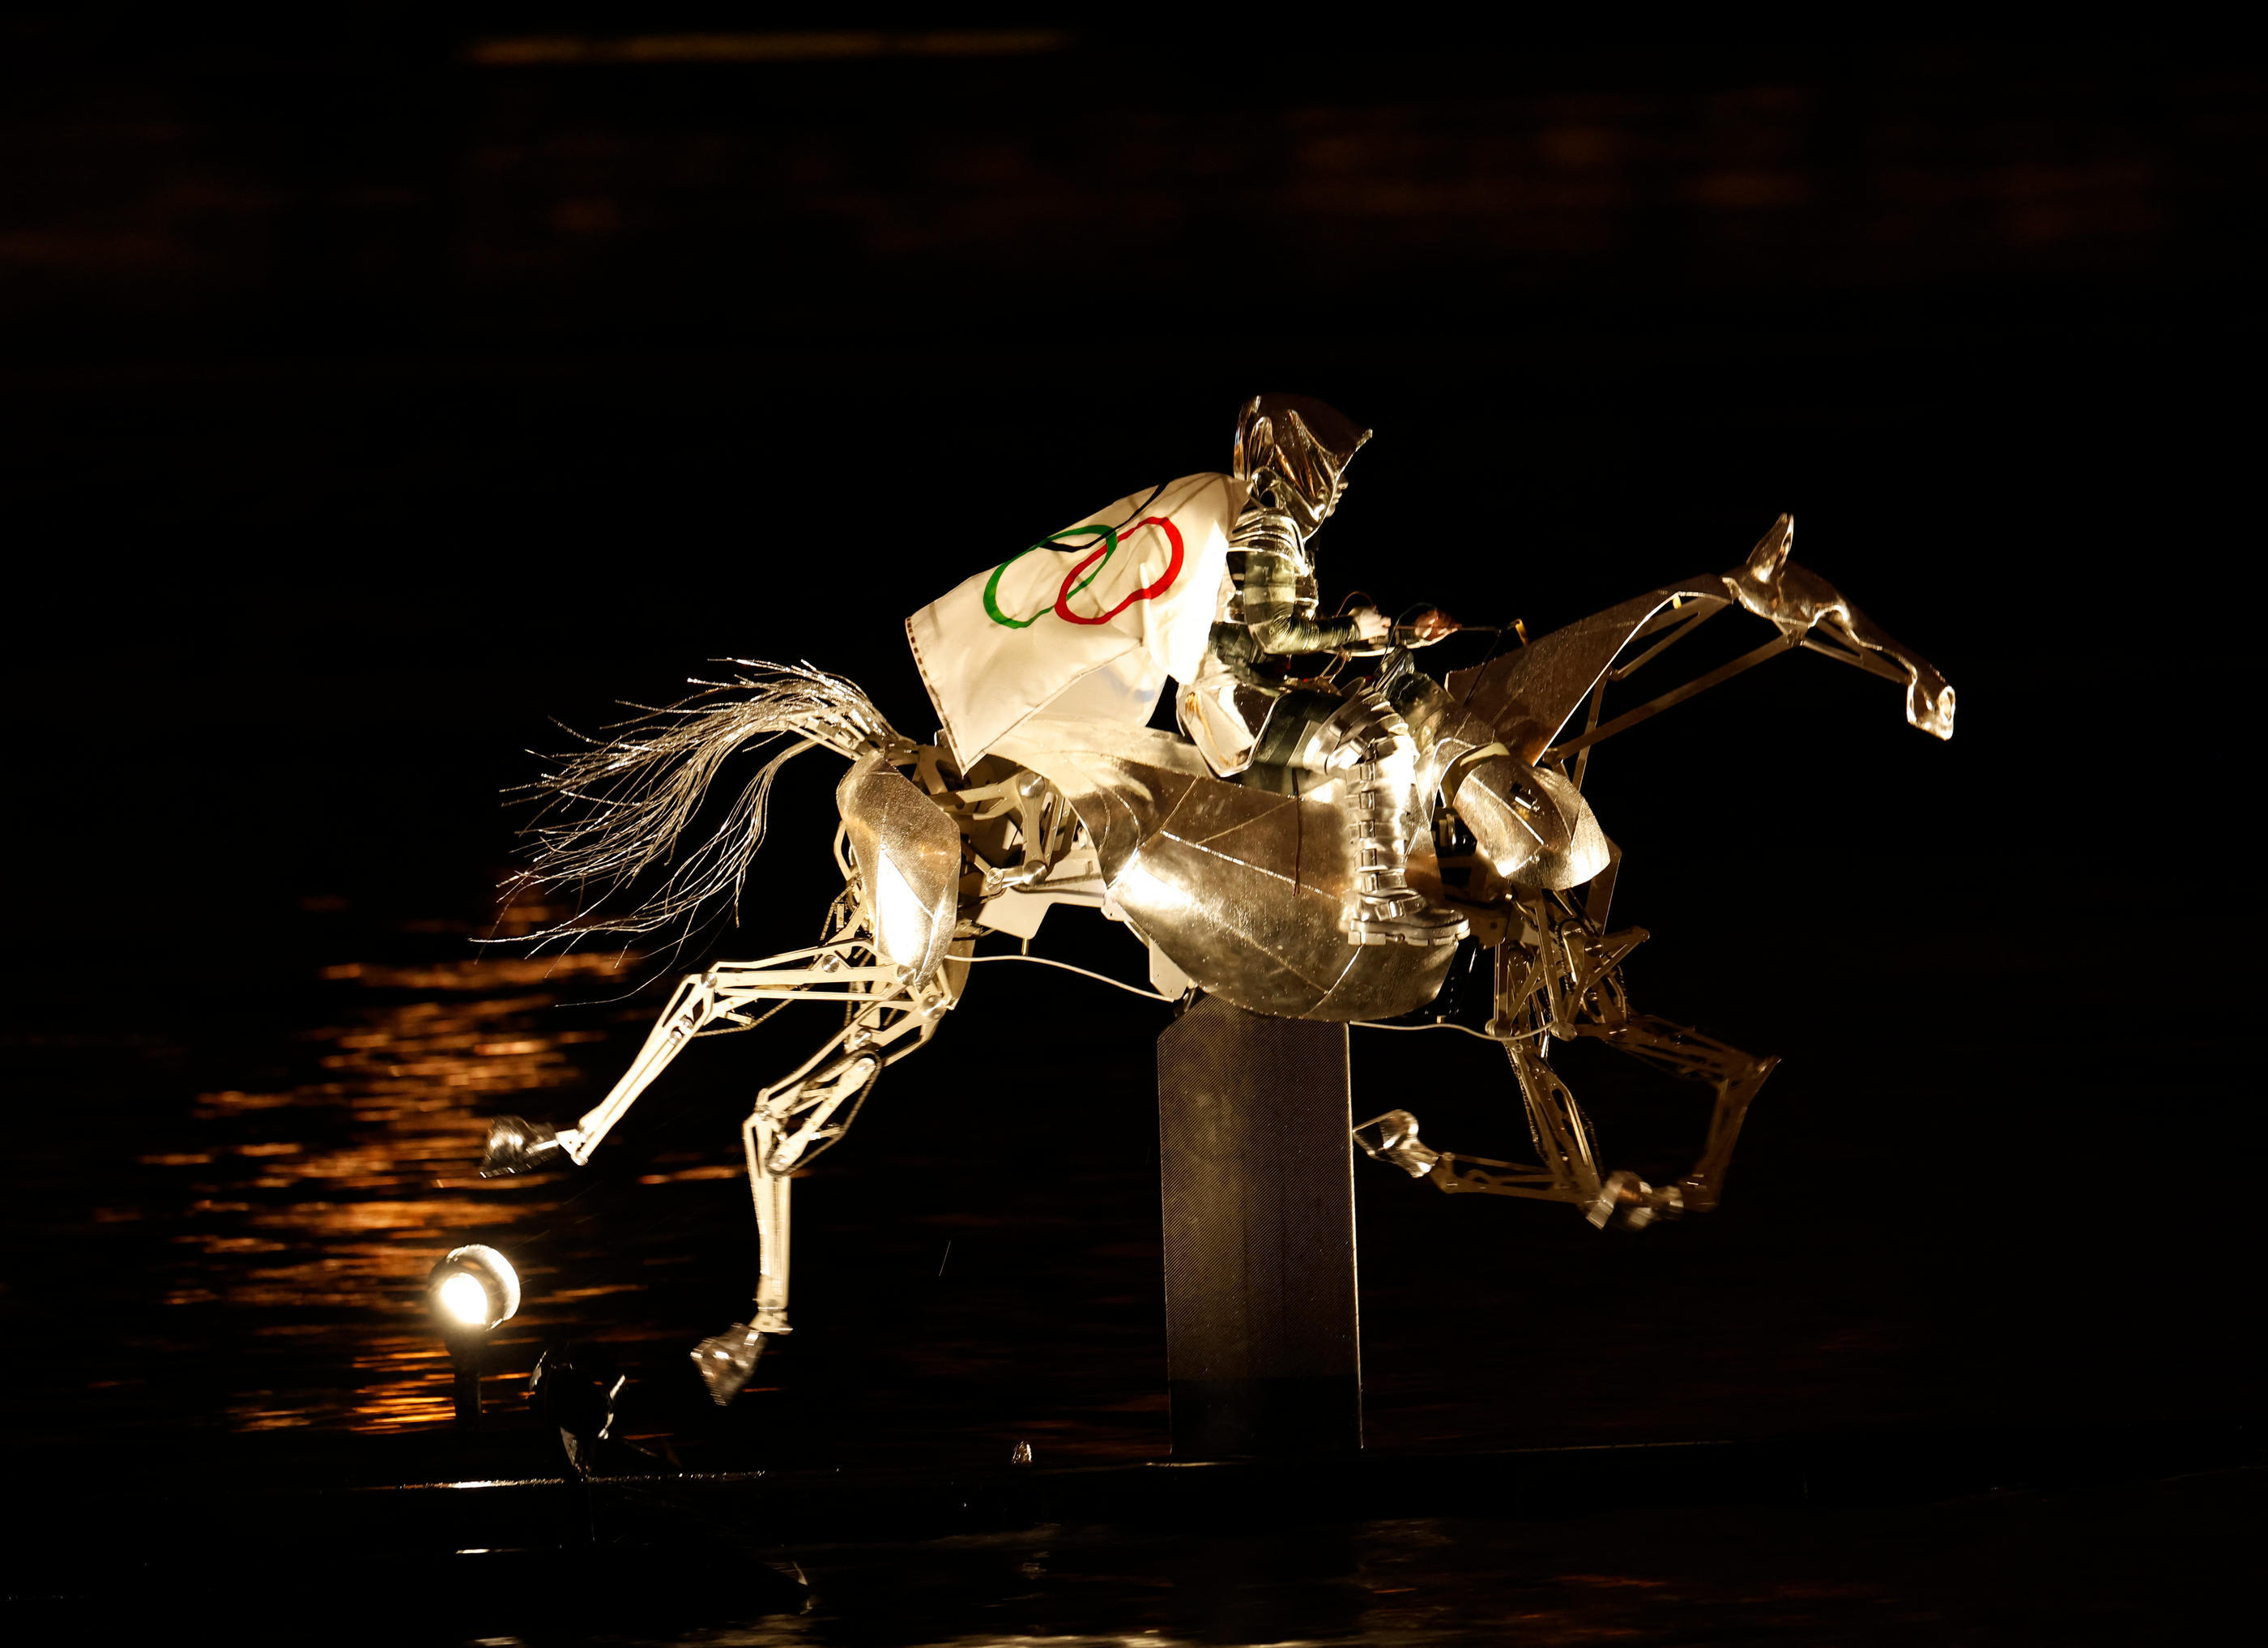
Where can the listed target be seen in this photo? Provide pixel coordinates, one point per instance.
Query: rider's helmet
(1294, 451)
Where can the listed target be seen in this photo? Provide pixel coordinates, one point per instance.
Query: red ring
(1172, 570)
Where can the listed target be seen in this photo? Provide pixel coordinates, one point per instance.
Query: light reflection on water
(280, 1226)
(956, 1297)
(296, 1218)
(341, 1220)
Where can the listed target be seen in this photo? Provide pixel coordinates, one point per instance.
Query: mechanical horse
(1237, 887)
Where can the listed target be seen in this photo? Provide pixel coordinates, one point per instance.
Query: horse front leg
(1568, 1170)
(1557, 1123)
(1532, 985)
(1679, 1050)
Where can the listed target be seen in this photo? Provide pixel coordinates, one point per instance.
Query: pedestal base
(1256, 1169)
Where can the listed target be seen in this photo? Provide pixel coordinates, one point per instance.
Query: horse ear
(1770, 556)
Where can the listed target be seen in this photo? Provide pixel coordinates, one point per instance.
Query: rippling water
(226, 1204)
(225, 1216)
(270, 1235)
(307, 1214)
(2141, 1568)
(978, 1265)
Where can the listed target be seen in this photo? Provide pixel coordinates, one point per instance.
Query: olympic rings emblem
(1098, 558)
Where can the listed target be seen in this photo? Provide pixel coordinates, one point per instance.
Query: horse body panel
(909, 856)
(1243, 889)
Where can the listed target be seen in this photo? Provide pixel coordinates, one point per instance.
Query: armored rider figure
(1395, 738)
(1246, 709)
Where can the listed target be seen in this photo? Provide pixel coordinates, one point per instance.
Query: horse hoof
(727, 1361)
(516, 1145)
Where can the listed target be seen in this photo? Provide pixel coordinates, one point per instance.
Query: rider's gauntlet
(1273, 590)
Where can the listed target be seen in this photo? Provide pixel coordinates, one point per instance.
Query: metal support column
(1256, 1165)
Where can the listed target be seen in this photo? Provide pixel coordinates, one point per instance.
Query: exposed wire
(1120, 984)
(1116, 983)
(1525, 1035)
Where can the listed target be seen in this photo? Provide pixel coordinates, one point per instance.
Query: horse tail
(626, 804)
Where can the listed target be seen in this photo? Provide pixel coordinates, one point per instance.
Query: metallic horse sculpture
(1238, 887)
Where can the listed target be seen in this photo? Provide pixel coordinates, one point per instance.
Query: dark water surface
(224, 1214)
(2105, 1569)
(239, 1211)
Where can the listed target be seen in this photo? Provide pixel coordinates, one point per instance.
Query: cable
(1525, 1035)
(1116, 984)
(1119, 984)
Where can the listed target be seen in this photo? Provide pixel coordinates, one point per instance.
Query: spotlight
(469, 1292)
(463, 1301)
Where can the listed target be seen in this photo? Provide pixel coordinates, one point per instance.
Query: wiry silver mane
(621, 807)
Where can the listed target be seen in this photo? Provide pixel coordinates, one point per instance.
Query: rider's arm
(1307, 635)
(1276, 589)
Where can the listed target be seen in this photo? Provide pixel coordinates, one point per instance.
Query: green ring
(992, 584)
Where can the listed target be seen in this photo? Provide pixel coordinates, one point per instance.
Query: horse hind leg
(791, 1122)
(794, 1120)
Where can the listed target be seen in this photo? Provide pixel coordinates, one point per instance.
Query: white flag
(1087, 622)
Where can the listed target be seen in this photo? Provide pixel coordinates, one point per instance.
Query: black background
(368, 402)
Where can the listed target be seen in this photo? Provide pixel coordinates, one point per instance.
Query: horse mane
(623, 805)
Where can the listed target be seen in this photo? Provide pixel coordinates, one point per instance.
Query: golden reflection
(345, 1216)
(328, 1198)
(231, 1244)
(251, 1415)
(486, 973)
(720, 1170)
(211, 1104)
